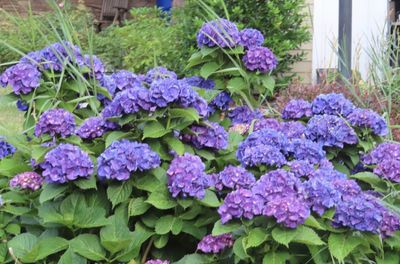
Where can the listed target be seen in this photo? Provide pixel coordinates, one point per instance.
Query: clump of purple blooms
(234, 177)
(303, 149)
(200, 82)
(215, 244)
(250, 38)
(6, 149)
(297, 109)
(55, 122)
(124, 157)
(186, 177)
(366, 118)
(210, 135)
(159, 73)
(221, 102)
(66, 163)
(22, 77)
(332, 104)
(219, 32)
(27, 180)
(260, 59)
(243, 115)
(267, 123)
(124, 80)
(91, 128)
(157, 261)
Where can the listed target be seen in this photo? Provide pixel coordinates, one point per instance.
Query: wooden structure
(113, 10)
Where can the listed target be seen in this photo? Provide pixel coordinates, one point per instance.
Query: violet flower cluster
(250, 38)
(6, 149)
(123, 80)
(66, 163)
(92, 127)
(209, 135)
(23, 78)
(157, 261)
(220, 102)
(55, 122)
(297, 109)
(366, 118)
(27, 181)
(243, 115)
(186, 177)
(124, 157)
(260, 59)
(234, 177)
(219, 32)
(332, 104)
(159, 73)
(200, 82)
(215, 244)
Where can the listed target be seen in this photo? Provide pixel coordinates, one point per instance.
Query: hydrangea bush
(162, 172)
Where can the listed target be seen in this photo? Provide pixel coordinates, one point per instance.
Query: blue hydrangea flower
(95, 65)
(332, 104)
(301, 168)
(57, 55)
(209, 135)
(234, 177)
(55, 122)
(303, 149)
(219, 32)
(215, 244)
(109, 83)
(221, 102)
(23, 78)
(238, 204)
(124, 157)
(297, 109)
(27, 180)
(243, 115)
(382, 152)
(390, 223)
(366, 118)
(250, 38)
(200, 82)
(328, 174)
(186, 177)
(66, 163)
(293, 129)
(6, 149)
(389, 169)
(129, 101)
(330, 131)
(125, 80)
(22, 106)
(159, 73)
(165, 91)
(260, 59)
(92, 127)
(321, 194)
(267, 123)
(157, 261)
(346, 188)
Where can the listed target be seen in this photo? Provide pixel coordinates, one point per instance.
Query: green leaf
(88, 246)
(175, 144)
(14, 229)
(340, 245)
(116, 235)
(283, 236)
(137, 206)
(236, 85)
(50, 191)
(147, 182)
(256, 237)
(208, 69)
(238, 249)
(306, 235)
(390, 258)
(114, 136)
(119, 192)
(154, 129)
(161, 241)
(70, 257)
(312, 222)
(38, 153)
(22, 244)
(210, 199)
(161, 199)
(368, 177)
(168, 223)
(190, 228)
(269, 83)
(196, 259)
(189, 114)
(45, 247)
(86, 184)
(220, 229)
(276, 257)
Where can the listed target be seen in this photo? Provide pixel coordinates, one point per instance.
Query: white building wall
(369, 22)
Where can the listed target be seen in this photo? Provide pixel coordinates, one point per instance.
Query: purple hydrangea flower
(366, 118)
(250, 38)
(34, 58)
(22, 106)
(209, 135)
(321, 194)
(219, 32)
(215, 244)
(165, 91)
(55, 122)
(293, 129)
(92, 127)
(301, 168)
(22, 77)
(124, 157)
(234, 178)
(382, 152)
(346, 188)
(330, 131)
(237, 204)
(390, 223)
(201, 106)
(66, 163)
(261, 155)
(159, 73)
(6, 149)
(328, 174)
(200, 82)
(260, 59)
(57, 55)
(157, 261)
(297, 109)
(239, 128)
(95, 65)
(267, 123)
(109, 83)
(303, 149)
(243, 115)
(27, 180)
(186, 177)
(332, 104)
(221, 102)
(125, 80)
(389, 169)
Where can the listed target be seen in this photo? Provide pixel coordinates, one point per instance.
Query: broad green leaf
(340, 245)
(312, 222)
(154, 130)
(114, 136)
(50, 191)
(276, 257)
(38, 153)
(283, 236)
(190, 114)
(22, 244)
(367, 177)
(256, 237)
(15, 210)
(116, 235)
(175, 144)
(220, 228)
(161, 241)
(269, 83)
(14, 229)
(208, 69)
(205, 51)
(390, 258)
(161, 199)
(146, 182)
(137, 206)
(3, 252)
(88, 246)
(238, 249)
(45, 247)
(306, 235)
(69, 257)
(119, 192)
(236, 85)
(167, 224)
(86, 184)
(210, 199)
(196, 259)
(190, 228)
(9, 167)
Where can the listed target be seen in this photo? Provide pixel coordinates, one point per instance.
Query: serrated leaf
(238, 249)
(367, 177)
(22, 244)
(116, 235)
(114, 136)
(175, 144)
(154, 130)
(220, 229)
(306, 235)
(276, 257)
(70, 257)
(86, 184)
(340, 245)
(190, 228)
(283, 236)
(161, 199)
(161, 241)
(196, 259)
(312, 222)
(50, 191)
(137, 206)
(256, 237)
(88, 246)
(167, 224)
(44, 248)
(208, 69)
(118, 193)
(210, 199)
(189, 114)
(237, 84)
